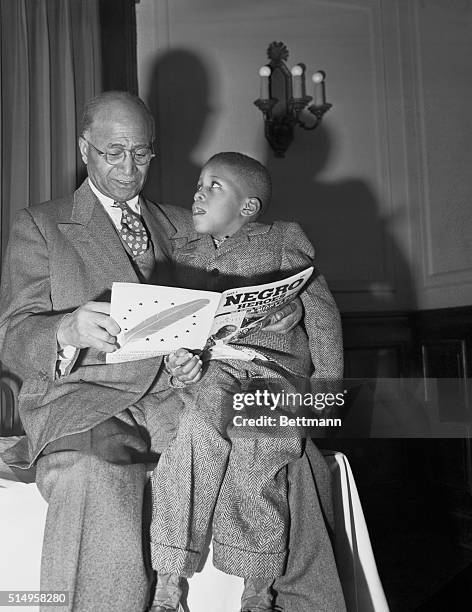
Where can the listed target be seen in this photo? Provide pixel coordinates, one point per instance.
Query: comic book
(157, 320)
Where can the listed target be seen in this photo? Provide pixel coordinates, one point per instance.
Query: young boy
(204, 481)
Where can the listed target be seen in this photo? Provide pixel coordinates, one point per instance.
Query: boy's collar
(250, 229)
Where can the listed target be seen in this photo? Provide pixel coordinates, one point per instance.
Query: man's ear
(251, 207)
(83, 148)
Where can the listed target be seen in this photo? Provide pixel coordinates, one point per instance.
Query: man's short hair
(93, 106)
(255, 174)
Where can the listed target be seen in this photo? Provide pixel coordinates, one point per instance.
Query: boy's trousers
(225, 479)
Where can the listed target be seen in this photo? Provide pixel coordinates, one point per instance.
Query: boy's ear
(251, 207)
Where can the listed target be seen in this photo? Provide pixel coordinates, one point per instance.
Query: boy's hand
(286, 318)
(184, 366)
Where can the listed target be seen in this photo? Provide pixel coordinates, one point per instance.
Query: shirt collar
(108, 202)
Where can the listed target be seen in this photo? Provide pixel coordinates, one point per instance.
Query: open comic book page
(156, 320)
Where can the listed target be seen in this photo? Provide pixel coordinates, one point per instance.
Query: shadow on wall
(354, 240)
(179, 101)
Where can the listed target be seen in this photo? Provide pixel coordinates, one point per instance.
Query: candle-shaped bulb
(319, 91)
(264, 73)
(297, 81)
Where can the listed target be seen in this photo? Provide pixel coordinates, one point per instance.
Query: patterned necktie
(132, 229)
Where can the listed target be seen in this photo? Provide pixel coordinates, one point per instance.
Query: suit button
(215, 271)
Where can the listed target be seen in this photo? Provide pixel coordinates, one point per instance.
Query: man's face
(218, 201)
(122, 125)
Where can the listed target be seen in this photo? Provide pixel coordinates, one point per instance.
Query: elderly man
(91, 427)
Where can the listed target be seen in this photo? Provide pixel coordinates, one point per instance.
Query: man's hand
(286, 318)
(89, 326)
(184, 366)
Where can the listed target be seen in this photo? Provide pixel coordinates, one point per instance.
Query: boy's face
(219, 200)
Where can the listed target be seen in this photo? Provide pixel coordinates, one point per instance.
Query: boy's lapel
(189, 244)
(193, 245)
(242, 237)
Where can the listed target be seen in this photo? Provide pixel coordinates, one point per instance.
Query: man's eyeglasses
(116, 154)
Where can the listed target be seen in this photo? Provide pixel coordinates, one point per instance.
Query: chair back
(10, 424)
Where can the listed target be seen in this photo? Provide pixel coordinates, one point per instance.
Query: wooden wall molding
(425, 111)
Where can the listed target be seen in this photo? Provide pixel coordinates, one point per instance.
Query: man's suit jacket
(260, 253)
(62, 254)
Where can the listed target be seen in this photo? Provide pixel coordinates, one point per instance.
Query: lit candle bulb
(297, 75)
(264, 73)
(319, 92)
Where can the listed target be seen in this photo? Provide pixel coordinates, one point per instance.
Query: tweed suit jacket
(62, 254)
(260, 253)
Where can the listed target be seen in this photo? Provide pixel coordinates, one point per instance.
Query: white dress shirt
(113, 211)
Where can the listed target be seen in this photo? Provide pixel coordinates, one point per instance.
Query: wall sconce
(283, 100)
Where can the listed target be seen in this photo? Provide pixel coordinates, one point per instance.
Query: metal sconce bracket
(279, 125)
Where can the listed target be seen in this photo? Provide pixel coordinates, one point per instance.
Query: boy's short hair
(254, 173)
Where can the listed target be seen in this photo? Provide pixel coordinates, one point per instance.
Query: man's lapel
(92, 233)
(160, 239)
